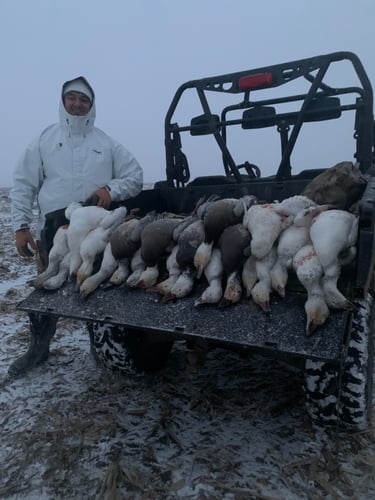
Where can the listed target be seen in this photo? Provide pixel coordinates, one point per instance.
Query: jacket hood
(80, 80)
(77, 124)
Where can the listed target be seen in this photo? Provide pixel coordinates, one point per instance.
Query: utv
(291, 101)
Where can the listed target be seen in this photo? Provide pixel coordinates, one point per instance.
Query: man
(69, 161)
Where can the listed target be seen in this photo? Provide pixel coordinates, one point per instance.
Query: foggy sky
(136, 53)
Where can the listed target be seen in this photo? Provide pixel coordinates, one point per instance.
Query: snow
(234, 428)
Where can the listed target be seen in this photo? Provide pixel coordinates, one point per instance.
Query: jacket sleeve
(27, 178)
(127, 174)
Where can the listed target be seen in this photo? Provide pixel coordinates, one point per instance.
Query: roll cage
(320, 102)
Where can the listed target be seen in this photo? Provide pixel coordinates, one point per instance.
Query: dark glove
(23, 239)
(100, 198)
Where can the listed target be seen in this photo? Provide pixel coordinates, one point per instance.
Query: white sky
(136, 53)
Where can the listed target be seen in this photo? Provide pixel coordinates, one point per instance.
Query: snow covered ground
(234, 429)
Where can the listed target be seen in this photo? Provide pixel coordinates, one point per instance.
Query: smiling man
(77, 97)
(71, 160)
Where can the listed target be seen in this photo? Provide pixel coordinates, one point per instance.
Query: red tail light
(252, 82)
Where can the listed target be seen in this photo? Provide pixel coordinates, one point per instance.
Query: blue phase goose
(218, 215)
(234, 245)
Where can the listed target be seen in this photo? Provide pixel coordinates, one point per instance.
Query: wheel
(128, 351)
(343, 394)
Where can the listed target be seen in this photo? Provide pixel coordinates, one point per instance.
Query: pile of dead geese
(236, 247)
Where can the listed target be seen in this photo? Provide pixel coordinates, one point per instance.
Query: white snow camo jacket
(68, 162)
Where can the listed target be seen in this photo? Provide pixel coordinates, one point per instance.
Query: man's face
(77, 104)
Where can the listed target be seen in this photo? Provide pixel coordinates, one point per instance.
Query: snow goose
(82, 221)
(213, 273)
(56, 281)
(182, 287)
(95, 242)
(125, 240)
(293, 205)
(56, 255)
(122, 244)
(309, 272)
(188, 235)
(261, 291)
(233, 290)
(107, 268)
(173, 269)
(156, 243)
(218, 215)
(249, 275)
(290, 241)
(142, 223)
(188, 241)
(234, 244)
(264, 225)
(157, 237)
(121, 273)
(331, 233)
(137, 266)
(71, 208)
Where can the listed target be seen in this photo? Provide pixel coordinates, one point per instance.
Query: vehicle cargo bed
(242, 324)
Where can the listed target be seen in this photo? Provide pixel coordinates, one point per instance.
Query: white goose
(293, 205)
(107, 268)
(137, 266)
(293, 238)
(82, 221)
(309, 272)
(261, 291)
(332, 233)
(213, 273)
(182, 287)
(96, 240)
(264, 225)
(57, 253)
(148, 277)
(56, 281)
(121, 273)
(233, 289)
(174, 271)
(249, 275)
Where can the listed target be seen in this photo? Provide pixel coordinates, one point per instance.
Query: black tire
(127, 351)
(343, 394)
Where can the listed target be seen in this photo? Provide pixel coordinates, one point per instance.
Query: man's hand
(101, 198)
(23, 239)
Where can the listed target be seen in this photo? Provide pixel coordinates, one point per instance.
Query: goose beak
(311, 327)
(83, 294)
(168, 298)
(199, 272)
(265, 306)
(224, 303)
